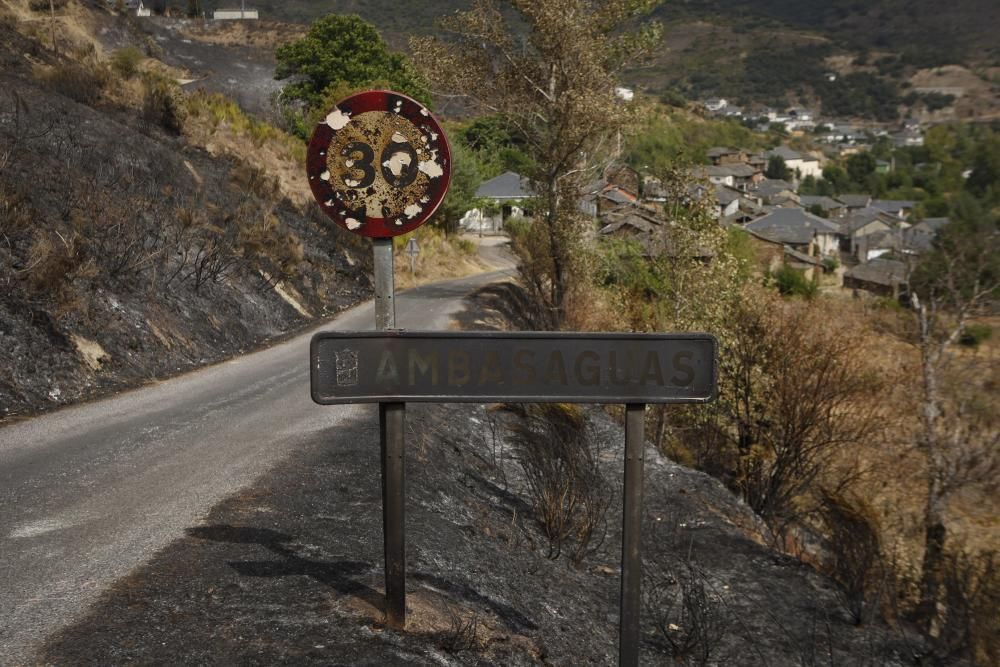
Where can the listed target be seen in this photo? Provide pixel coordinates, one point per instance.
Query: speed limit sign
(379, 164)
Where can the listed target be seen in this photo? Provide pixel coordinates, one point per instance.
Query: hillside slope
(128, 252)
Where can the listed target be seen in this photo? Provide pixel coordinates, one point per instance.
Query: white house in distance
(236, 14)
(801, 164)
(716, 104)
(503, 192)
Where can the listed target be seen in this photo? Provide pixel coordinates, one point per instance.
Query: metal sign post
(379, 165)
(412, 250)
(391, 418)
(482, 367)
(635, 443)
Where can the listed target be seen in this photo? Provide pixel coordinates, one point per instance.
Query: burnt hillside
(290, 571)
(128, 252)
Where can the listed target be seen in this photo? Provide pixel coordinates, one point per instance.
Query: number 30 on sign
(379, 164)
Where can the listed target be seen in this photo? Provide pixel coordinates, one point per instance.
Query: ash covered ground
(290, 570)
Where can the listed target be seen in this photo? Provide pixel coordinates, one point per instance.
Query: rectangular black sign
(535, 367)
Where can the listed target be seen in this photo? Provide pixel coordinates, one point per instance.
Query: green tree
(552, 78)
(837, 178)
(859, 167)
(984, 181)
(194, 8)
(776, 168)
(465, 179)
(343, 51)
(497, 146)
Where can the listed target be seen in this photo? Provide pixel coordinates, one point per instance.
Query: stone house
(800, 230)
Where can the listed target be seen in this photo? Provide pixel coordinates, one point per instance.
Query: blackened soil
(290, 571)
(123, 249)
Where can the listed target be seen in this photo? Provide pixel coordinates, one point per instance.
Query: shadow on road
(337, 575)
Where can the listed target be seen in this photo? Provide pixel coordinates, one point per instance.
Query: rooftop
(879, 271)
(792, 225)
(507, 185)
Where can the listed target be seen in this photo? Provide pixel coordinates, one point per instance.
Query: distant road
(88, 493)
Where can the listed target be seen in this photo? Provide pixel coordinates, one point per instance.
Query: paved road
(89, 493)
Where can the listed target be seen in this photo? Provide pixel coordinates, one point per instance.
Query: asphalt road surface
(88, 493)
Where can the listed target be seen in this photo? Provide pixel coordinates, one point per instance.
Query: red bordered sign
(379, 164)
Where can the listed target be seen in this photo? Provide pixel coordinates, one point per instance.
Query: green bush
(162, 104)
(466, 246)
(975, 334)
(125, 62)
(792, 282)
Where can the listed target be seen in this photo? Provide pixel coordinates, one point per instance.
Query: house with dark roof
(875, 245)
(919, 238)
(799, 229)
(864, 221)
(505, 187)
(771, 255)
(656, 237)
(855, 201)
(831, 207)
(898, 207)
(503, 193)
(886, 277)
(722, 155)
(629, 222)
(728, 200)
(769, 189)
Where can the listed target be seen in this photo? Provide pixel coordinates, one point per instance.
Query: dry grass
(260, 34)
(218, 125)
(440, 258)
(74, 25)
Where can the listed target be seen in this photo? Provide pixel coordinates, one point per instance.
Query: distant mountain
(962, 28)
(767, 52)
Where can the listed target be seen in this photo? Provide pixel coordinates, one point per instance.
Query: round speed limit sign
(379, 164)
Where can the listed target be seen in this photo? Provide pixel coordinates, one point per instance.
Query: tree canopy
(777, 168)
(343, 52)
(554, 86)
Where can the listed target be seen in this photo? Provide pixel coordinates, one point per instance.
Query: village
(851, 241)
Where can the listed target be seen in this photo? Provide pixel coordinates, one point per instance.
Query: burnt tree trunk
(935, 532)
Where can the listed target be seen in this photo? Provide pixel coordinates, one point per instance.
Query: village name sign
(478, 367)
(379, 165)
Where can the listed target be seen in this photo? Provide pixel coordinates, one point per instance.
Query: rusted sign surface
(379, 164)
(479, 367)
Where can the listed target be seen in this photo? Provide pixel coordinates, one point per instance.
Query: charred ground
(129, 253)
(289, 571)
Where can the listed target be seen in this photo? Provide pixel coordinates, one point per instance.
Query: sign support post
(391, 416)
(379, 166)
(628, 637)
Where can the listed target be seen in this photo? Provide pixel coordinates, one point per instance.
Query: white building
(801, 164)
(235, 14)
